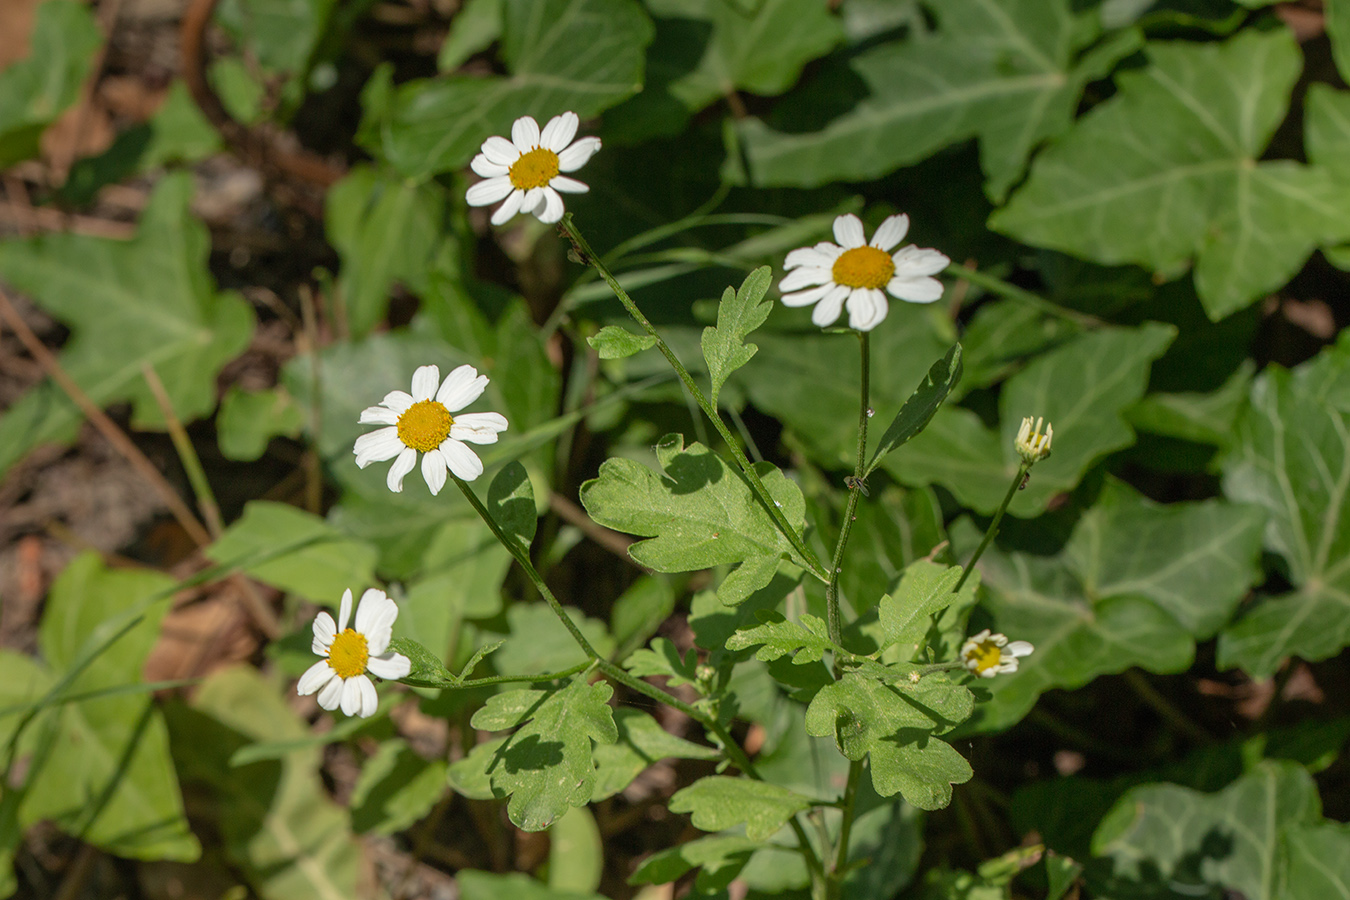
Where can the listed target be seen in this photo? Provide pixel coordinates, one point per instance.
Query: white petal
(525, 134)
(398, 401)
(345, 610)
(379, 415)
(533, 199)
(401, 467)
(577, 155)
(913, 260)
(500, 151)
(425, 381)
(891, 232)
(867, 309)
(813, 256)
(979, 637)
(377, 446)
(478, 428)
(390, 666)
(351, 694)
(315, 677)
(370, 701)
(433, 470)
(568, 185)
(807, 297)
(806, 276)
(848, 231)
(462, 461)
(375, 612)
(509, 208)
(331, 695)
(324, 632)
(1019, 648)
(553, 207)
(559, 131)
(915, 290)
(489, 191)
(462, 386)
(487, 168)
(829, 307)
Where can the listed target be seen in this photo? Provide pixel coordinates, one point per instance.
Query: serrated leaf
(546, 765)
(127, 303)
(925, 590)
(720, 856)
(427, 669)
(613, 342)
(1291, 456)
(699, 513)
(805, 641)
(921, 406)
(1007, 73)
(1231, 840)
(322, 565)
(36, 90)
(641, 742)
(1136, 585)
(1194, 189)
(1082, 388)
(663, 659)
(718, 802)
(740, 312)
(578, 55)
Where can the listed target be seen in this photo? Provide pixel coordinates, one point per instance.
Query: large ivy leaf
(578, 55)
(1007, 73)
(1082, 388)
(1292, 456)
(1170, 841)
(35, 90)
(700, 513)
(1166, 173)
(740, 312)
(718, 802)
(108, 778)
(1318, 861)
(546, 765)
(1136, 585)
(128, 303)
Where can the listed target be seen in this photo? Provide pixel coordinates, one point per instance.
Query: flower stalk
(855, 487)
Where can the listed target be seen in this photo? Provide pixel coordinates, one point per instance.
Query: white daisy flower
(524, 170)
(349, 653)
(1033, 444)
(988, 654)
(853, 273)
(417, 422)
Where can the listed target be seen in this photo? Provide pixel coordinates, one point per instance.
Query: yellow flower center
(349, 653)
(425, 425)
(985, 655)
(863, 267)
(534, 169)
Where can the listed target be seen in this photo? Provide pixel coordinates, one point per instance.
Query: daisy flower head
(988, 653)
(525, 171)
(854, 272)
(423, 422)
(1033, 443)
(349, 653)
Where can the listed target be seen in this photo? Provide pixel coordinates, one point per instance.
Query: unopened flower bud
(1033, 445)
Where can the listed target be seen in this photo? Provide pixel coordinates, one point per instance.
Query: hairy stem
(845, 827)
(989, 534)
(855, 487)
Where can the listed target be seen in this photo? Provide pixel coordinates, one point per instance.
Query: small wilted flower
(349, 653)
(1033, 445)
(417, 422)
(525, 171)
(853, 272)
(988, 653)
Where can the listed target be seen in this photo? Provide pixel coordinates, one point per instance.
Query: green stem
(757, 486)
(846, 826)
(855, 488)
(515, 679)
(995, 285)
(1022, 471)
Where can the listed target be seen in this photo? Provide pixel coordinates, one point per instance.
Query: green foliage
(641, 742)
(740, 312)
(396, 788)
(249, 419)
(920, 408)
(613, 342)
(718, 802)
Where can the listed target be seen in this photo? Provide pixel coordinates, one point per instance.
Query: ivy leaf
(546, 765)
(1291, 455)
(510, 502)
(805, 641)
(642, 742)
(718, 802)
(1135, 585)
(740, 312)
(37, 89)
(249, 419)
(613, 342)
(1318, 861)
(897, 727)
(1007, 73)
(1194, 189)
(699, 514)
(1082, 387)
(925, 590)
(1236, 840)
(128, 303)
(919, 409)
(579, 55)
